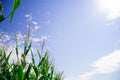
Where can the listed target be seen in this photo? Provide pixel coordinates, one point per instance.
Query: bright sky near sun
(111, 7)
(83, 36)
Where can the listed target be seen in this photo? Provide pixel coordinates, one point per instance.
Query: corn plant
(24, 70)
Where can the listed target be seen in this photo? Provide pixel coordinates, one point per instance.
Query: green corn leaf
(40, 63)
(35, 70)
(1, 60)
(33, 60)
(39, 54)
(20, 72)
(16, 51)
(1, 56)
(8, 56)
(43, 59)
(1, 52)
(15, 6)
(1, 6)
(52, 70)
(6, 59)
(27, 72)
(1, 17)
(4, 78)
(27, 48)
(16, 76)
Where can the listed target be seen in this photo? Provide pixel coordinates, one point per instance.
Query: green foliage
(24, 70)
(11, 14)
(15, 6)
(1, 15)
(1, 6)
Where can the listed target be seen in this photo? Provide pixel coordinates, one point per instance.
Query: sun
(110, 7)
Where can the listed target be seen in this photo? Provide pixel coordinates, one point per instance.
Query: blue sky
(82, 35)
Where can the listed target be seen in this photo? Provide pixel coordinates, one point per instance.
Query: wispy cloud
(7, 42)
(104, 65)
(36, 27)
(108, 64)
(35, 23)
(29, 17)
(5, 37)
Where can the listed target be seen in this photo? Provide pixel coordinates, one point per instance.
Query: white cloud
(29, 17)
(39, 39)
(35, 39)
(1, 45)
(108, 64)
(44, 37)
(19, 35)
(104, 65)
(36, 27)
(5, 38)
(35, 23)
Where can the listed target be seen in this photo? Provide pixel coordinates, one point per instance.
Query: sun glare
(111, 7)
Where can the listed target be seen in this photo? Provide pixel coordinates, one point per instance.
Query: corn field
(24, 70)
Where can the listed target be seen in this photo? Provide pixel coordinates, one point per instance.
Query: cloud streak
(104, 65)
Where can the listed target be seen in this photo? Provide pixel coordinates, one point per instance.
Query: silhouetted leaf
(15, 6)
(1, 6)
(1, 17)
